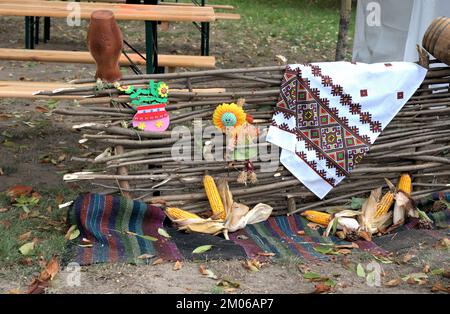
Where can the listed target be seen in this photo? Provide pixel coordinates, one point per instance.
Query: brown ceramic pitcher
(105, 42)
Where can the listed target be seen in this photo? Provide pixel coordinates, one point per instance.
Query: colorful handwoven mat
(117, 228)
(329, 114)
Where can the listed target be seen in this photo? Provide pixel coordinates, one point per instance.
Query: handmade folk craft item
(228, 116)
(150, 104)
(105, 43)
(329, 114)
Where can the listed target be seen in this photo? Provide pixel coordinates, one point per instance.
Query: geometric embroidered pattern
(329, 114)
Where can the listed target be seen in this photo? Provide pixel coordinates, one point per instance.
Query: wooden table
(151, 14)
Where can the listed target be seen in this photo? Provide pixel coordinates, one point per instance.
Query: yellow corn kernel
(214, 198)
(320, 218)
(175, 213)
(385, 204)
(404, 183)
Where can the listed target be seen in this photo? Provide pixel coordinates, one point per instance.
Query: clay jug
(105, 43)
(437, 39)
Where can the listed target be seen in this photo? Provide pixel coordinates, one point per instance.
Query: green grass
(306, 30)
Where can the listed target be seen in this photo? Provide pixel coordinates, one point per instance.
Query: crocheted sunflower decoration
(228, 115)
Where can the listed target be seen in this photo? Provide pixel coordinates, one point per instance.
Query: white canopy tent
(388, 30)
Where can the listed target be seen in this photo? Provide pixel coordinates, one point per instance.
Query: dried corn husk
(259, 213)
(344, 220)
(368, 212)
(235, 221)
(404, 207)
(225, 195)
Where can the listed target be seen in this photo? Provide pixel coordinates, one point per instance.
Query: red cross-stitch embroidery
(321, 127)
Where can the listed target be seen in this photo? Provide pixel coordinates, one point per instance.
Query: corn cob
(175, 213)
(317, 217)
(214, 198)
(404, 183)
(385, 204)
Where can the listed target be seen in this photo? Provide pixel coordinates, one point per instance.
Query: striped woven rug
(121, 230)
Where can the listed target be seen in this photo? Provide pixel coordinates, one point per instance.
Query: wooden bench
(170, 61)
(30, 90)
(214, 6)
(58, 9)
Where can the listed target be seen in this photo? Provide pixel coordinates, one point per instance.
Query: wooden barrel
(437, 39)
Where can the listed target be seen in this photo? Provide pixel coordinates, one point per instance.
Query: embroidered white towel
(329, 114)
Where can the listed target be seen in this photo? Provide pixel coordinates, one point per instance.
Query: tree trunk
(105, 43)
(346, 13)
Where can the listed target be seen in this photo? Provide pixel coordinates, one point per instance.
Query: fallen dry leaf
(178, 265)
(268, 254)
(36, 195)
(443, 243)
(253, 265)
(365, 235)
(158, 201)
(72, 233)
(341, 234)
(344, 251)
(345, 262)
(426, 268)
(407, 258)
(39, 284)
(6, 224)
(313, 225)
(202, 270)
(4, 209)
(228, 283)
(446, 273)
(229, 290)
(207, 272)
(353, 245)
(281, 59)
(41, 262)
(321, 288)
(158, 261)
(393, 283)
(23, 216)
(50, 270)
(15, 291)
(41, 109)
(303, 268)
(59, 199)
(25, 236)
(4, 116)
(145, 256)
(27, 261)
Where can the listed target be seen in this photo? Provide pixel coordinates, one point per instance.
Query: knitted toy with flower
(237, 125)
